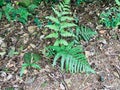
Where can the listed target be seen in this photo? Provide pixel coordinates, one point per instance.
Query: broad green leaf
(67, 25)
(27, 57)
(53, 27)
(24, 66)
(67, 18)
(36, 57)
(52, 35)
(35, 66)
(55, 20)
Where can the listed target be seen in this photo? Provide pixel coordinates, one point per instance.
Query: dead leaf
(31, 29)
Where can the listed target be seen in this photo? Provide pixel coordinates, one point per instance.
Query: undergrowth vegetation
(66, 49)
(111, 16)
(70, 55)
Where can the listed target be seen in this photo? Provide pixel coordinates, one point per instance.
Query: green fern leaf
(66, 13)
(55, 20)
(66, 9)
(71, 58)
(67, 25)
(64, 18)
(56, 12)
(117, 2)
(66, 34)
(52, 35)
(60, 42)
(84, 33)
(53, 27)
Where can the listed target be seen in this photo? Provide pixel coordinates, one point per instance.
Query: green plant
(117, 2)
(1, 3)
(37, 22)
(60, 25)
(83, 32)
(22, 15)
(12, 52)
(7, 10)
(79, 1)
(71, 57)
(111, 17)
(30, 60)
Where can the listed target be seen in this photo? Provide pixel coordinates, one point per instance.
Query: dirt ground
(103, 53)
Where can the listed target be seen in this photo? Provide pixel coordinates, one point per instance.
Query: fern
(71, 58)
(111, 17)
(61, 22)
(85, 33)
(117, 2)
(8, 10)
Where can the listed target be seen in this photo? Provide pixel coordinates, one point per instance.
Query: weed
(30, 60)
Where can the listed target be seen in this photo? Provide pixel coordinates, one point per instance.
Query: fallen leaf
(31, 29)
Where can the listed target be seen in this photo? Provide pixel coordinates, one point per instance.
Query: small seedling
(30, 60)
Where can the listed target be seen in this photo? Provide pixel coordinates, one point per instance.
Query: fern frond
(53, 19)
(67, 34)
(64, 18)
(65, 13)
(84, 33)
(52, 35)
(71, 58)
(53, 27)
(60, 42)
(67, 25)
(57, 12)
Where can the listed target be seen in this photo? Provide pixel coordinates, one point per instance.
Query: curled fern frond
(71, 58)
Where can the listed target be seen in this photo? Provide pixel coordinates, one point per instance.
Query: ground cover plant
(72, 57)
(30, 60)
(59, 44)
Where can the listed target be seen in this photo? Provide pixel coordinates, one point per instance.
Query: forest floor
(103, 53)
